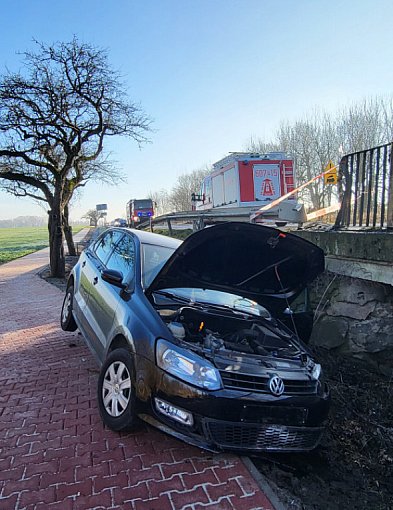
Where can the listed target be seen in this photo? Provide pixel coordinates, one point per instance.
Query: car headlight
(322, 387)
(187, 366)
(316, 371)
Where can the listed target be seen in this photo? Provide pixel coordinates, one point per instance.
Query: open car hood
(253, 261)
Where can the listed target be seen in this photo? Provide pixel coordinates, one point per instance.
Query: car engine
(209, 330)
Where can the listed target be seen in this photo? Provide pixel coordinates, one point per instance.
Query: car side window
(105, 245)
(123, 257)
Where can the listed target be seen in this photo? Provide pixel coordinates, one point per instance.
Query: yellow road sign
(330, 166)
(330, 173)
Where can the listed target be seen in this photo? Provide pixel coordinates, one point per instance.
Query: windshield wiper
(224, 307)
(182, 299)
(215, 306)
(173, 296)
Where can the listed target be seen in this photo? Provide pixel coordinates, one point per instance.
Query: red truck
(244, 179)
(139, 210)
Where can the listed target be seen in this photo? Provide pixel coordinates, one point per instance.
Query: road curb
(263, 484)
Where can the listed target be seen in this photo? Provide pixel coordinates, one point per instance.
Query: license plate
(279, 415)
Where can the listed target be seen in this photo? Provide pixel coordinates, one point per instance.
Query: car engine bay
(210, 329)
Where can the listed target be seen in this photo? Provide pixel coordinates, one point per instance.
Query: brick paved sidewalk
(55, 452)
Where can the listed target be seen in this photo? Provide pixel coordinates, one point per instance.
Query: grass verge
(20, 241)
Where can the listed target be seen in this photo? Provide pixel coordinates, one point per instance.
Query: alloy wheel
(116, 389)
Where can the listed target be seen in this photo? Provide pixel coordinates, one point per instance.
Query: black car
(199, 338)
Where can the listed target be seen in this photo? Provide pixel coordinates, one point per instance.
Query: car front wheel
(67, 320)
(116, 394)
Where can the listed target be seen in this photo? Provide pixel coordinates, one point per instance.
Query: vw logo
(276, 386)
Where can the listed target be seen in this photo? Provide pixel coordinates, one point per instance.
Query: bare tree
(258, 146)
(366, 123)
(53, 122)
(161, 201)
(93, 216)
(312, 142)
(180, 196)
(320, 137)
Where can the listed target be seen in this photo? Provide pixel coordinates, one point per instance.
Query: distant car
(188, 337)
(119, 222)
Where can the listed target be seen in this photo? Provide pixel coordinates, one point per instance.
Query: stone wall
(363, 245)
(354, 316)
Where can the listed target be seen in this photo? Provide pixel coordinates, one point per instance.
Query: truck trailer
(249, 180)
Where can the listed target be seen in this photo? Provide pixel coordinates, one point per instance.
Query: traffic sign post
(330, 173)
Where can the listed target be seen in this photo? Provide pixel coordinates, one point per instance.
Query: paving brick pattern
(54, 450)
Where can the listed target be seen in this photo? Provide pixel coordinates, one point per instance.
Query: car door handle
(84, 263)
(95, 280)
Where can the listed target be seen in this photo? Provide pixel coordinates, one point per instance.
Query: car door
(81, 294)
(89, 272)
(90, 278)
(104, 297)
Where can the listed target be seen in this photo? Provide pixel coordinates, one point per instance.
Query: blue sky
(210, 73)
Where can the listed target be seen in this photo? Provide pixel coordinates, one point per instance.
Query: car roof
(151, 238)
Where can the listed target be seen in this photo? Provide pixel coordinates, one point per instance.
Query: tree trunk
(68, 232)
(56, 249)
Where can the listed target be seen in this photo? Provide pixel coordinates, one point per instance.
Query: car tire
(116, 392)
(67, 320)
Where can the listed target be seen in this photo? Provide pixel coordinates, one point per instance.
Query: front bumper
(237, 420)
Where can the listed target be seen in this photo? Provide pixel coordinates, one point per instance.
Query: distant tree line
(317, 138)
(33, 221)
(178, 198)
(24, 221)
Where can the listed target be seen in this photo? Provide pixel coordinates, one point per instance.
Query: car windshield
(153, 258)
(215, 297)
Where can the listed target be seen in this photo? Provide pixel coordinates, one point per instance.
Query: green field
(17, 242)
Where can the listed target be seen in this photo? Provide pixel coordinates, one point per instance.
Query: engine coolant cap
(177, 330)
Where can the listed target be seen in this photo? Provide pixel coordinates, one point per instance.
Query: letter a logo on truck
(267, 181)
(267, 188)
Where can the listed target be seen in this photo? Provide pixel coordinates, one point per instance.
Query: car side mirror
(113, 277)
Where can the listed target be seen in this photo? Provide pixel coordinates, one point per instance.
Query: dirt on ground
(60, 283)
(353, 466)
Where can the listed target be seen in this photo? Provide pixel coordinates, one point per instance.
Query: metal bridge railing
(366, 189)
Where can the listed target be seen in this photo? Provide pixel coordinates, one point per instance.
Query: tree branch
(31, 181)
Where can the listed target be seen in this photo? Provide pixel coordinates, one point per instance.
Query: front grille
(259, 384)
(263, 437)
